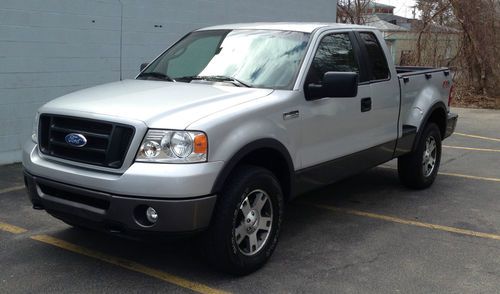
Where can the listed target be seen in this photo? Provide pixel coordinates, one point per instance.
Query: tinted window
(376, 57)
(335, 53)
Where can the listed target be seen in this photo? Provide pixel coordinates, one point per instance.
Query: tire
(229, 244)
(419, 169)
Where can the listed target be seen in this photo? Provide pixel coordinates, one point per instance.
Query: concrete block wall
(49, 48)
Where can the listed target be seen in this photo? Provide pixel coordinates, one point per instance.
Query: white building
(52, 47)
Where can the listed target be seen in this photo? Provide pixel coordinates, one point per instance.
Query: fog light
(151, 215)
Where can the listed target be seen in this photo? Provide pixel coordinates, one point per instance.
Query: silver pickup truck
(229, 123)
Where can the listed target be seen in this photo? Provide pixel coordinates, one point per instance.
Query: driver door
(333, 128)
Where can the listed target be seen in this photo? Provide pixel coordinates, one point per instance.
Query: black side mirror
(335, 84)
(143, 66)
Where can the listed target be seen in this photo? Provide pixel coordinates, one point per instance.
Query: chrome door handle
(291, 115)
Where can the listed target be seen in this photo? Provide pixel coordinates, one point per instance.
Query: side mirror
(335, 84)
(144, 65)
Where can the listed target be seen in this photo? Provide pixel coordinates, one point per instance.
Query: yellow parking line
(11, 228)
(470, 148)
(478, 137)
(469, 177)
(127, 264)
(454, 175)
(130, 265)
(406, 221)
(15, 188)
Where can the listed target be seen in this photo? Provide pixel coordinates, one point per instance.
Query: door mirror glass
(334, 84)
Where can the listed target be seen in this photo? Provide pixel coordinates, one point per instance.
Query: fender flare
(425, 120)
(247, 149)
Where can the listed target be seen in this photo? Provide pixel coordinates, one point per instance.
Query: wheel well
(274, 161)
(438, 117)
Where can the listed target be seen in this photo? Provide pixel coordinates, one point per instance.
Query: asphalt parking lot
(365, 234)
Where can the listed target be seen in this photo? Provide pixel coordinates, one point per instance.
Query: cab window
(377, 64)
(335, 53)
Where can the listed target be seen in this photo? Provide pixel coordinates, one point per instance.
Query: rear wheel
(419, 169)
(246, 222)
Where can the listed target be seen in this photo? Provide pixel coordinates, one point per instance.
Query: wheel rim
(254, 222)
(430, 156)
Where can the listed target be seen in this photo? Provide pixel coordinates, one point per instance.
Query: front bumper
(118, 213)
(180, 193)
(451, 123)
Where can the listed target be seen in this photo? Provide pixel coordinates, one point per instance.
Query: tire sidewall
(431, 130)
(265, 181)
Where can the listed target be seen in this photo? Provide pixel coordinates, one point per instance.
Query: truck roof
(306, 27)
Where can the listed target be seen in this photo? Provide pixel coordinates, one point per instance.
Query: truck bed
(420, 85)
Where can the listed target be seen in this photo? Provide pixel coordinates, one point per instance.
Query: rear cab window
(375, 57)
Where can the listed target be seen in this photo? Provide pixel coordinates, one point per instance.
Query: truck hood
(158, 104)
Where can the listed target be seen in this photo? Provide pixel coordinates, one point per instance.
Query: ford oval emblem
(76, 140)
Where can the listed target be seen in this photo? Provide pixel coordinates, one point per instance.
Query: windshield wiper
(217, 79)
(156, 75)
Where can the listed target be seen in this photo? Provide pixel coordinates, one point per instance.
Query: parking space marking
(453, 175)
(15, 188)
(11, 228)
(473, 149)
(477, 137)
(406, 221)
(127, 264)
(469, 177)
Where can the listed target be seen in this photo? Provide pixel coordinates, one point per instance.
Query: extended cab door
(384, 91)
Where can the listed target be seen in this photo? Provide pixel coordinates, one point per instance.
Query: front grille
(107, 143)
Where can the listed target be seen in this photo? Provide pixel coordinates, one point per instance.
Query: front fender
(255, 124)
(266, 143)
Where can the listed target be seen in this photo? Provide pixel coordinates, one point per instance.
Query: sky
(403, 7)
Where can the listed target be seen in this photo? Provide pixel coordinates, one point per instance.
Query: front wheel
(246, 222)
(419, 169)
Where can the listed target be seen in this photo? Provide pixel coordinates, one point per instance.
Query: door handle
(290, 115)
(366, 104)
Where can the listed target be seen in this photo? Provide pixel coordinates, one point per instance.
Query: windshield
(253, 58)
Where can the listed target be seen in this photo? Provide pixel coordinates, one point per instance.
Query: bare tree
(477, 62)
(352, 11)
(480, 23)
(433, 11)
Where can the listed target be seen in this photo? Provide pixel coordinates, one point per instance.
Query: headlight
(34, 133)
(170, 146)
